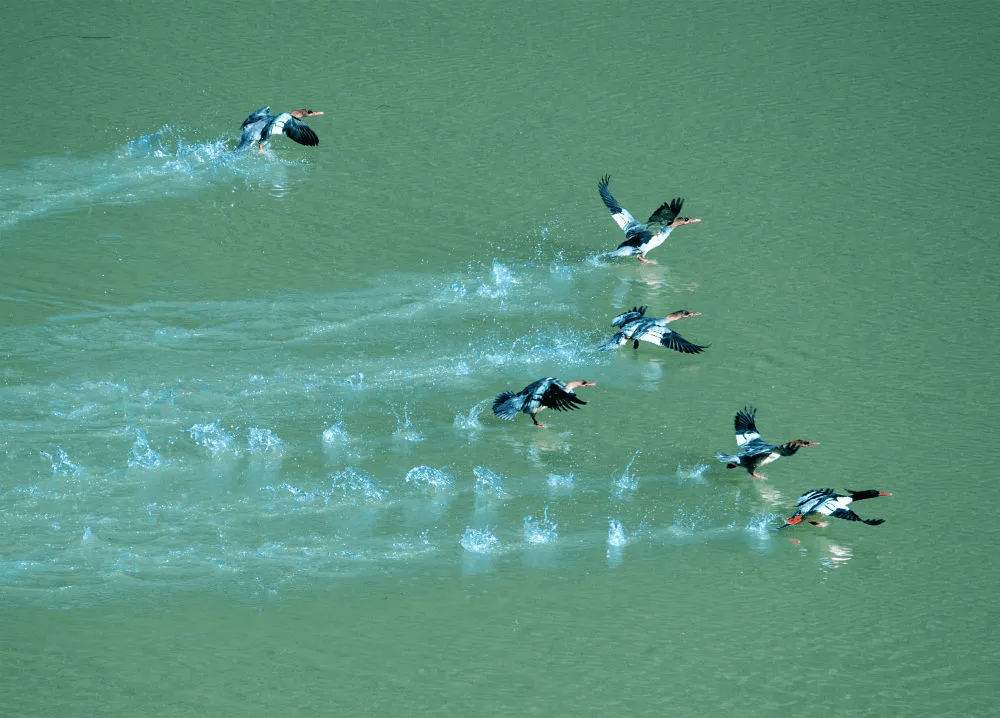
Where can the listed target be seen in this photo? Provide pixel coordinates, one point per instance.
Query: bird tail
(728, 459)
(617, 340)
(507, 405)
(625, 251)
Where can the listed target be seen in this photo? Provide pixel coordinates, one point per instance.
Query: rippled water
(249, 463)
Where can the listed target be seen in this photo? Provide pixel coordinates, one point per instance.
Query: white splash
(429, 476)
(142, 455)
(541, 531)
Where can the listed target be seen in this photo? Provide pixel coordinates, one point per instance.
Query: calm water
(249, 466)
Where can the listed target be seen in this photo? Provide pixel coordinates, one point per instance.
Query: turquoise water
(248, 460)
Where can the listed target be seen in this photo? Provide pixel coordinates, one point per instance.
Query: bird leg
(758, 476)
(643, 259)
(540, 426)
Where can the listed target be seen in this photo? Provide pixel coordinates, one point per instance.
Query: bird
(755, 452)
(547, 393)
(634, 326)
(639, 237)
(828, 503)
(261, 124)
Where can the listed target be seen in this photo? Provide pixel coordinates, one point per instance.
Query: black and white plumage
(261, 124)
(755, 451)
(641, 238)
(827, 503)
(545, 393)
(635, 326)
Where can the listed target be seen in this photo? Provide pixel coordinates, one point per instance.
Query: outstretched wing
(808, 501)
(666, 213)
(300, 132)
(657, 332)
(295, 128)
(625, 317)
(557, 397)
(257, 115)
(508, 404)
(617, 340)
(746, 430)
(619, 214)
(673, 340)
(846, 514)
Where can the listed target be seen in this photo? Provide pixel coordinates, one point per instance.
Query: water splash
(61, 464)
(471, 420)
(487, 482)
(627, 481)
(164, 163)
(264, 441)
(502, 280)
(142, 455)
(481, 541)
(542, 531)
(213, 437)
(405, 429)
(353, 483)
(616, 533)
(430, 477)
(560, 482)
(336, 434)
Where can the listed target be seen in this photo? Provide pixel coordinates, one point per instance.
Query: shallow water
(249, 463)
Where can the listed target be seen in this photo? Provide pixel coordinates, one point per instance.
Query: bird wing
(257, 115)
(673, 340)
(300, 132)
(666, 213)
(556, 396)
(618, 339)
(619, 214)
(657, 332)
(811, 500)
(508, 404)
(746, 430)
(630, 316)
(847, 514)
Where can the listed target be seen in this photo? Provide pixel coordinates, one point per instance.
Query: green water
(248, 464)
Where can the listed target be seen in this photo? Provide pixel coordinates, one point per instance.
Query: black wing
(673, 340)
(556, 397)
(257, 115)
(300, 132)
(666, 212)
(625, 317)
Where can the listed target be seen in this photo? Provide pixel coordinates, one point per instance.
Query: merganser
(261, 124)
(827, 503)
(640, 238)
(755, 452)
(634, 326)
(545, 393)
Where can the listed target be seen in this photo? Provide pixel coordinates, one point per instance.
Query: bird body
(641, 238)
(635, 326)
(547, 393)
(755, 451)
(827, 503)
(261, 124)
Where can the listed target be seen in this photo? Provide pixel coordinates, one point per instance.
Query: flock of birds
(633, 326)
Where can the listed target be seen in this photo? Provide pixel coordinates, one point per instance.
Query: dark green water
(248, 461)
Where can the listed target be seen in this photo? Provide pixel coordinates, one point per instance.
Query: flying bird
(755, 452)
(825, 502)
(641, 238)
(261, 124)
(635, 326)
(545, 393)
